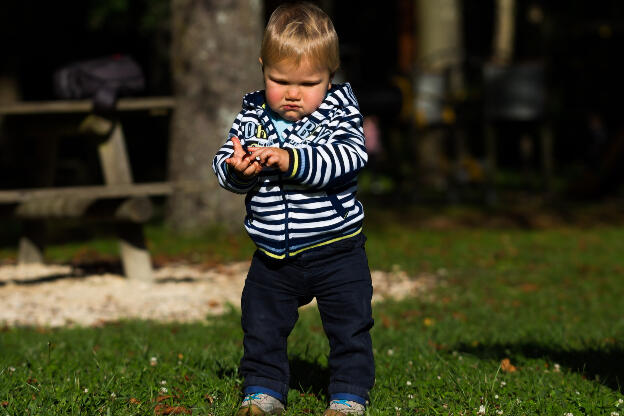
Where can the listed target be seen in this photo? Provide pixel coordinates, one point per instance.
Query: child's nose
(292, 92)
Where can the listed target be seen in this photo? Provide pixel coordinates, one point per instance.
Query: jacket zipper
(281, 186)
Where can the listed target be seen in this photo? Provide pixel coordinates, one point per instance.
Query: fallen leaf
(209, 398)
(529, 287)
(134, 401)
(162, 398)
(507, 367)
(163, 409)
(386, 322)
(4, 404)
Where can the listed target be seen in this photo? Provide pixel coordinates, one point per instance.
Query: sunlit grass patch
(519, 322)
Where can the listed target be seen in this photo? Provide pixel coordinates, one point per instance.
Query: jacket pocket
(342, 212)
(248, 207)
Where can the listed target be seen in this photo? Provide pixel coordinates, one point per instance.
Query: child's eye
(310, 84)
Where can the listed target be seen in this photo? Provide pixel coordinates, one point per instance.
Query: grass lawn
(521, 322)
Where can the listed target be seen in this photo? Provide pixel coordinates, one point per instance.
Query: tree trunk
(439, 53)
(504, 29)
(215, 49)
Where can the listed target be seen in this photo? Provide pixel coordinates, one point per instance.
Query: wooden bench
(119, 198)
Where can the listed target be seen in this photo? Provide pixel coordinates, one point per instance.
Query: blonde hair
(300, 31)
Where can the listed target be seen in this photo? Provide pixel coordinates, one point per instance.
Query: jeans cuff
(279, 387)
(347, 396)
(265, 390)
(339, 387)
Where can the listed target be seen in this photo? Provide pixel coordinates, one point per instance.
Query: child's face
(294, 91)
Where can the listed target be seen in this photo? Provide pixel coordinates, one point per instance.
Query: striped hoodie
(314, 202)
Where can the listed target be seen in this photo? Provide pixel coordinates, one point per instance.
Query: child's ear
(261, 64)
(331, 78)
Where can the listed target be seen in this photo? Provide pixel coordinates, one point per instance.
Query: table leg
(116, 168)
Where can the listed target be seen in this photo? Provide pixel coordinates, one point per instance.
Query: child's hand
(242, 163)
(271, 156)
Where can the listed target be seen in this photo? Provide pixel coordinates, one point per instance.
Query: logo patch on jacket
(312, 131)
(252, 129)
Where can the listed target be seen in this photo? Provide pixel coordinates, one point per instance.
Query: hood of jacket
(339, 95)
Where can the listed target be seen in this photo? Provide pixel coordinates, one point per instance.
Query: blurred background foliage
(576, 42)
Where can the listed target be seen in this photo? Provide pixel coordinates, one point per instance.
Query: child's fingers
(270, 157)
(238, 147)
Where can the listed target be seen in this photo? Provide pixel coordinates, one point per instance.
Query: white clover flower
(557, 368)
(503, 384)
(615, 414)
(569, 414)
(86, 390)
(410, 396)
(496, 396)
(391, 352)
(163, 390)
(163, 382)
(113, 395)
(153, 361)
(481, 410)
(439, 378)
(409, 383)
(12, 369)
(619, 402)
(499, 412)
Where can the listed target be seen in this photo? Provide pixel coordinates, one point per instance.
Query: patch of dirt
(66, 295)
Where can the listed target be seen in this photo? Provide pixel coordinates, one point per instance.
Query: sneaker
(344, 408)
(260, 404)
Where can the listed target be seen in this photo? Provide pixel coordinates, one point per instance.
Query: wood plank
(135, 257)
(115, 162)
(98, 191)
(114, 158)
(32, 243)
(86, 106)
(135, 209)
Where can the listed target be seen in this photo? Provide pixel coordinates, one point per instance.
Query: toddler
(295, 150)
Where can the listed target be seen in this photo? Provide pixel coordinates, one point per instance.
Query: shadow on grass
(305, 376)
(308, 376)
(605, 366)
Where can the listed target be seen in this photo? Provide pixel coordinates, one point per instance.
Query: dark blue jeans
(338, 276)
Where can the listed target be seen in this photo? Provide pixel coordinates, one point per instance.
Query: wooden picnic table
(118, 198)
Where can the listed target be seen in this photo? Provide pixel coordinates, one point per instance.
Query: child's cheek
(273, 97)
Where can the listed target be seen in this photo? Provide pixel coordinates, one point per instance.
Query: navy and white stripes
(314, 203)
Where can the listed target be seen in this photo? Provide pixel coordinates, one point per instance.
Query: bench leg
(32, 243)
(135, 257)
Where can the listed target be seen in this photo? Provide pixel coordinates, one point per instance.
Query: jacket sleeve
(225, 175)
(334, 162)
